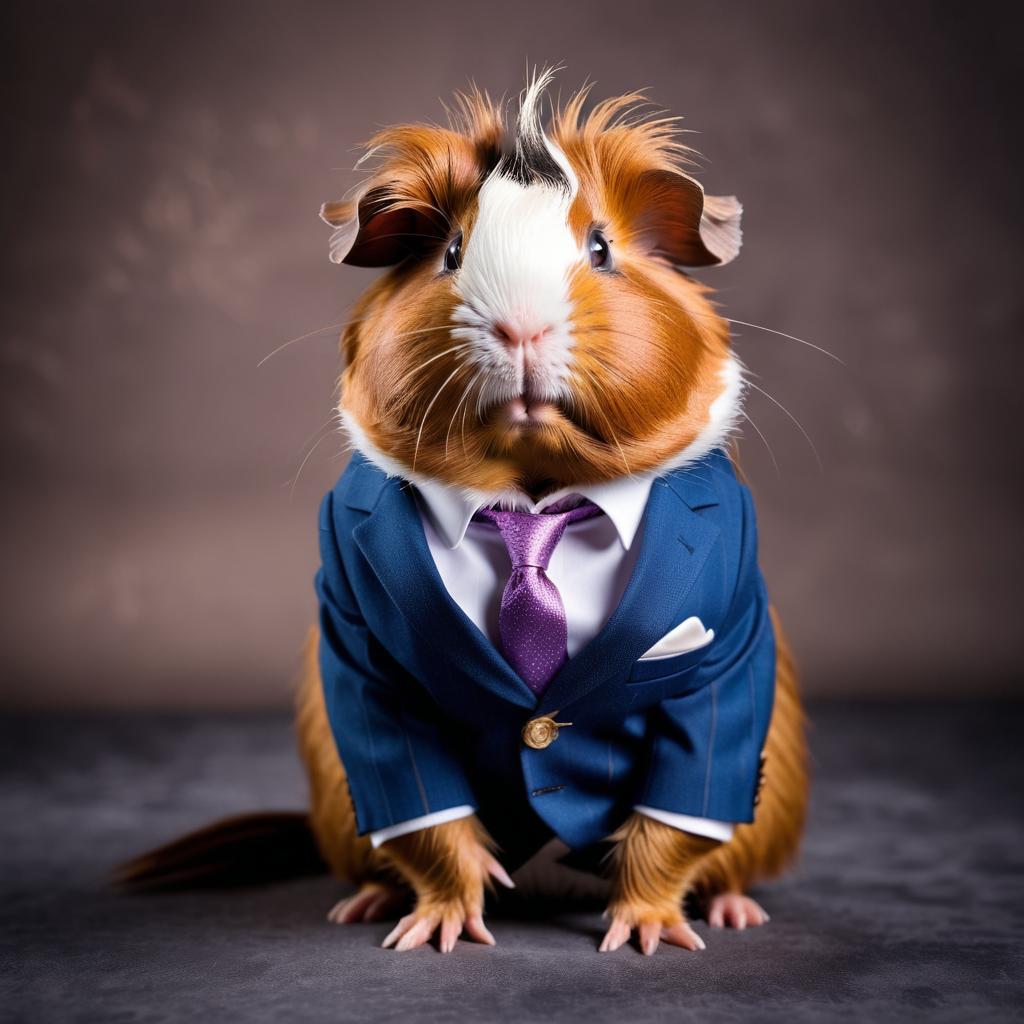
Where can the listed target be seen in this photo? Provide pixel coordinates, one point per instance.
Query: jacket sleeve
(705, 746)
(387, 728)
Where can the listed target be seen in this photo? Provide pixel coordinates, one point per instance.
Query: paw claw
(398, 931)
(371, 903)
(496, 870)
(419, 933)
(451, 928)
(735, 910)
(649, 934)
(684, 936)
(478, 931)
(617, 934)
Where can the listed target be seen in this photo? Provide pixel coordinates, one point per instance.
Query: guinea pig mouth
(526, 413)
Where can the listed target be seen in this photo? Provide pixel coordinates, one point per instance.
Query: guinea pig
(543, 632)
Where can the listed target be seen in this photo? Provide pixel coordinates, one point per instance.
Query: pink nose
(517, 335)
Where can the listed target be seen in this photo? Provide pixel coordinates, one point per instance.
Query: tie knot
(531, 537)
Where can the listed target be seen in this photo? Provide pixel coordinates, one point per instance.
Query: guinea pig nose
(516, 336)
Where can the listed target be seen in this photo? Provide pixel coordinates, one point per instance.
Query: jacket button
(541, 732)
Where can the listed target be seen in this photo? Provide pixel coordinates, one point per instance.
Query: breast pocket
(656, 679)
(664, 670)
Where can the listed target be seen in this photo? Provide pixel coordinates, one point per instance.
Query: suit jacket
(427, 714)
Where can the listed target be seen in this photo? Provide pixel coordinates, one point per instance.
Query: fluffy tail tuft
(248, 849)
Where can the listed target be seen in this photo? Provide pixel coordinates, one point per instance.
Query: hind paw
(734, 910)
(373, 902)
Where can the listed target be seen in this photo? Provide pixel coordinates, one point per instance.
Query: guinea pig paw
(373, 902)
(416, 928)
(734, 910)
(650, 933)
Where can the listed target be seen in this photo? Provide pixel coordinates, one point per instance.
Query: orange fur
(444, 865)
(406, 385)
(652, 869)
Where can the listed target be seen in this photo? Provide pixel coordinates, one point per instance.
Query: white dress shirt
(590, 566)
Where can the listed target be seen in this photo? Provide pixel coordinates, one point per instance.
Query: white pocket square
(689, 635)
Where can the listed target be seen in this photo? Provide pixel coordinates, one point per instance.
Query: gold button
(541, 732)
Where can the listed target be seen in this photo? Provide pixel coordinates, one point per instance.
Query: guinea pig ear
(683, 224)
(371, 230)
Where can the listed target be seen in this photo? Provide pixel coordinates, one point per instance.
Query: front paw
(653, 925)
(448, 867)
(451, 917)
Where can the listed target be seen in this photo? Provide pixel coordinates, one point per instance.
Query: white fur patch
(723, 415)
(515, 272)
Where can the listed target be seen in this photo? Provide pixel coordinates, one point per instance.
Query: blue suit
(427, 714)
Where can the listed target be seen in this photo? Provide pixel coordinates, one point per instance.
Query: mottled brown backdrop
(162, 167)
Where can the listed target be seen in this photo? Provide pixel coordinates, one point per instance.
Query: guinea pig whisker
(791, 337)
(666, 349)
(618, 380)
(799, 426)
(430, 405)
(451, 423)
(764, 439)
(616, 332)
(302, 337)
(672, 324)
(333, 421)
(597, 408)
(416, 370)
(340, 326)
(462, 430)
(420, 330)
(622, 454)
(302, 465)
(672, 307)
(344, 449)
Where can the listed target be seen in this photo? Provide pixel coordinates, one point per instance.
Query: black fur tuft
(532, 161)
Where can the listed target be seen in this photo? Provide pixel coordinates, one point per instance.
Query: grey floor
(908, 903)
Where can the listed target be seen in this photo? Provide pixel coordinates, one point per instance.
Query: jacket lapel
(675, 544)
(391, 539)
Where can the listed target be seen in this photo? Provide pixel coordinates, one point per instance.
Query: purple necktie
(532, 617)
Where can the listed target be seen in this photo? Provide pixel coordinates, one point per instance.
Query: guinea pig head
(536, 327)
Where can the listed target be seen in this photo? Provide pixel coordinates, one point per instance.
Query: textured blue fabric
(427, 714)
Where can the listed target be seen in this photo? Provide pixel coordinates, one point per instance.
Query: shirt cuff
(707, 827)
(382, 835)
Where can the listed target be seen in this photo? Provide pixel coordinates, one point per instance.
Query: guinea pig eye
(600, 253)
(453, 254)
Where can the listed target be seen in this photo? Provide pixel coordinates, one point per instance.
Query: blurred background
(163, 166)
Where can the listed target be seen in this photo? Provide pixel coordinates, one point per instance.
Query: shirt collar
(623, 501)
